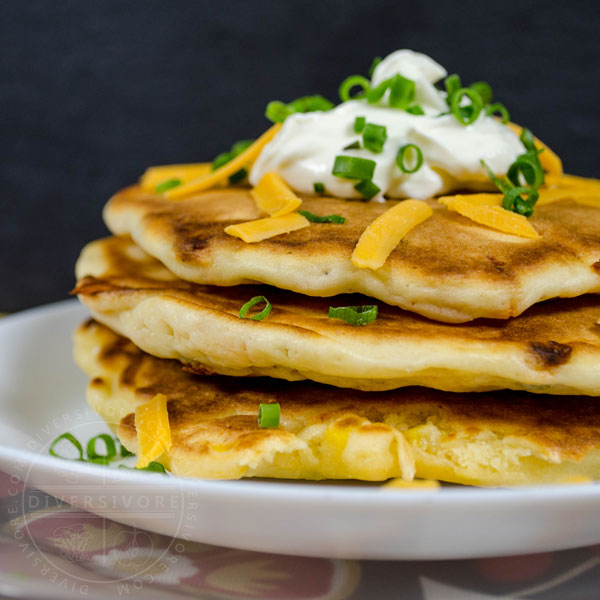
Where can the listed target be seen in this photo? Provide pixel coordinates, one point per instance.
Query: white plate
(42, 396)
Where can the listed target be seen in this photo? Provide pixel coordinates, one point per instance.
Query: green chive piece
(70, 438)
(452, 84)
(238, 176)
(374, 137)
(269, 415)
(498, 107)
(355, 315)
(253, 302)
(225, 157)
(318, 219)
(353, 167)
(318, 187)
(355, 145)
(240, 146)
(402, 92)
(277, 112)
(417, 158)
(153, 466)
(122, 450)
(415, 109)
(501, 184)
(466, 114)
(367, 189)
(484, 89)
(168, 184)
(513, 200)
(353, 81)
(376, 94)
(527, 166)
(527, 140)
(109, 446)
(359, 124)
(374, 64)
(220, 160)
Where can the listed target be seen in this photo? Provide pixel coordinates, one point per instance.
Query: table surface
(49, 549)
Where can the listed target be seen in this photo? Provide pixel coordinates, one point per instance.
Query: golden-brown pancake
(448, 268)
(493, 438)
(552, 348)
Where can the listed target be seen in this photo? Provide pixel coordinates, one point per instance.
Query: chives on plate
(355, 145)
(253, 302)
(374, 137)
(278, 112)
(498, 107)
(269, 416)
(318, 187)
(109, 446)
(72, 440)
(466, 114)
(351, 82)
(402, 92)
(318, 219)
(353, 167)
(418, 158)
(168, 184)
(354, 315)
(415, 109)
(359, 124)
(367, 189)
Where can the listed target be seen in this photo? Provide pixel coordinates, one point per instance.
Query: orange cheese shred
(385, 232)
(184, 172)
(262, 229)
(273, 196)
(153, 430)
(549, 160)
(221, 174)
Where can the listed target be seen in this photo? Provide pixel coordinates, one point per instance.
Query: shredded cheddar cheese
(273, 196)
(262, 229)
(550, 161)
(414, 485)
(483, 199)
(153, 176)
(153, 430)
(385, 232)
(495, 217)
(221, 174)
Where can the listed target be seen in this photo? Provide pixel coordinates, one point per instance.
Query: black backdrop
(92, 91)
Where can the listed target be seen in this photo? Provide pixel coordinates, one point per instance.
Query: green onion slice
(70, 438)
(367, 189)
(353, 167)
(109, 445)
(501, 184)
(223, 158)
(355, 315)
(355, 145)
(374, 64)
(253, 302)
(527, 166)
(452, 84)
(353, 81)
(269, 415)
(374, 137)
(376, 94)
(527, 140)
(415, 109)
(168, 184)
(466, 114)
(359, 124)
(318, 187)
(122, 450)
(155, 467)
(238, 176)
(319, 219)
(278, 112)
(418, 158)
(484, 89)
(513, 200)
(402, 92)
(498, 107)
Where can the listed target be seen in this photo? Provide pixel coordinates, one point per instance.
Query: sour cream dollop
(303, 151)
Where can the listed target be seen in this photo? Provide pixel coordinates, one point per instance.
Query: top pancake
(448, 268)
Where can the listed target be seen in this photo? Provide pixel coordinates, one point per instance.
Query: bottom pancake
(492, 438)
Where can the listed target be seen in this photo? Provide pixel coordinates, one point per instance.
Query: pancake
(494, 438)
(448, 268)
(553, 348)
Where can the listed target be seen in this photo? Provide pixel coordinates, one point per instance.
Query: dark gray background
(92, 92)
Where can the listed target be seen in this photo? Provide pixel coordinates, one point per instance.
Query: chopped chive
(122, 450)
(359, 124)
(168, 184)
(513, 200)
(153, 466)
(527, 140)
(353, 167)
(223, 158)
(376, 94)
(238, 176)
(70, 438)
(318, 219)
(367, 189)
(418, 158)
(318, 187)
(484, 89)
(498, 107)
(253, 302)
(374, 64)
(109, 447)
(374, 137)
(502, 185)
(452, 84)
(220, 160)
(415, 109)
(355, 145)
(239, 146)
(466, 114)
(527, 166)
(355, 315)
(278, 112)
(351, 82)
(269, 415)
(402, 92)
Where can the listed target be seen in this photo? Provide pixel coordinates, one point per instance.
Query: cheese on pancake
(449, 268)
(553, 348)
(494, 438)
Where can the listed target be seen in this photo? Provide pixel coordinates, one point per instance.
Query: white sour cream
(303, 151)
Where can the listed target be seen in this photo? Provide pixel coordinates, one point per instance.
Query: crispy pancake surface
(552, 348)
(495, 438)
(448, 268)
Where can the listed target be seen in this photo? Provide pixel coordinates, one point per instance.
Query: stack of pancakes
(483, 366)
